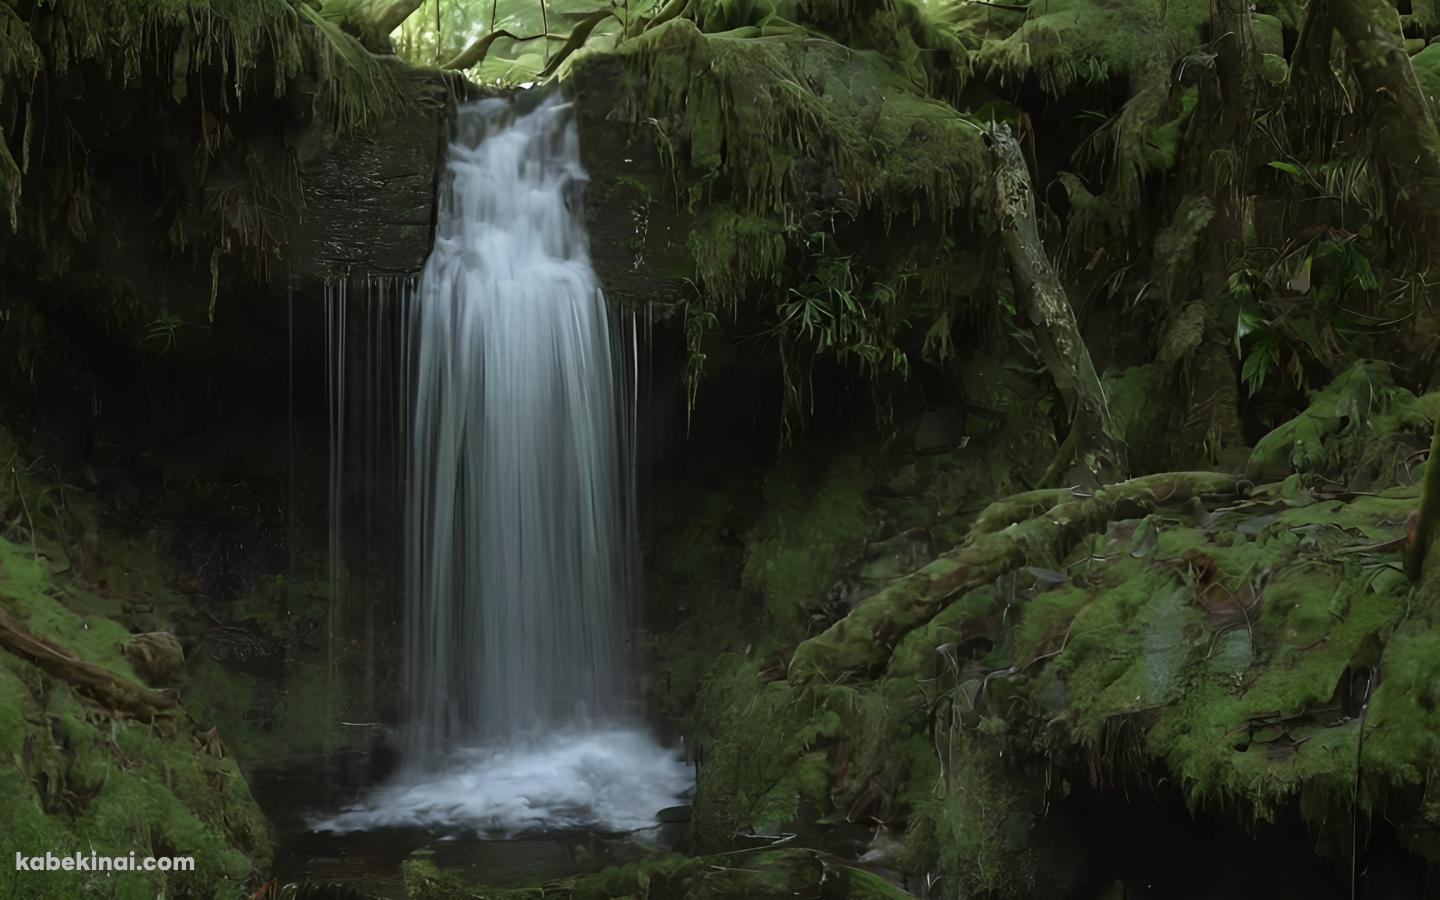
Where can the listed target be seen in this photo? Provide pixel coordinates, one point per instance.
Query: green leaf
(1300, 282)
(1262, 361)
(1290, 169)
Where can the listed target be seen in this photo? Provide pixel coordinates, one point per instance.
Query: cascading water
(518, 499)
(515, 475)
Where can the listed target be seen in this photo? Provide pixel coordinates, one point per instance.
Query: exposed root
(866, 637)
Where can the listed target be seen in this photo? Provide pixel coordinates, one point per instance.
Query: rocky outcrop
(368, 201)
(638, 233)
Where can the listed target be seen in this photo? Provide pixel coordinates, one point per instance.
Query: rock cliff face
(368, 201)
(638, 233)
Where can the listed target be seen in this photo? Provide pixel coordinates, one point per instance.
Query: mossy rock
(1360, 425)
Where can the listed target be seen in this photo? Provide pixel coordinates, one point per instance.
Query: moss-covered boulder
(1361, 426)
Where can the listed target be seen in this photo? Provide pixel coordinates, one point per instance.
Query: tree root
(866, 637)
(98, 683)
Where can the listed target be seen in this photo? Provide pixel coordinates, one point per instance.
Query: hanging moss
(794, 128)
(1066, 43)
(197, 69)
(829, 188)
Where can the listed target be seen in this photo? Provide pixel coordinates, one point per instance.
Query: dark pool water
(295, 793)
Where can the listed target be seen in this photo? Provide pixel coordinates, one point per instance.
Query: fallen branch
(476, 52)
(100, 684)
(578, 36)
(866, 637)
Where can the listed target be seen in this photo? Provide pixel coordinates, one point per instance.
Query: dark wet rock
(369, 200)
(939, 430)
(242, 646)
(674, 815)
(638, 237)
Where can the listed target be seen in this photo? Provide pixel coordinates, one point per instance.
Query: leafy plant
(1311, 306)
(164, 330)
(698, 322)
(838, 313)
(515, 41)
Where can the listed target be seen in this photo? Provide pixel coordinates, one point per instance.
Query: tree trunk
(1235, 64)
(1424, 534)
(1041, 295)
(389, 16)
(1405, 138)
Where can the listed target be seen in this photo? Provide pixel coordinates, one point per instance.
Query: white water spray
(518, 537)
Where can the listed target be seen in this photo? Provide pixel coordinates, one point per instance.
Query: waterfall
(519, 507)
(516, 538)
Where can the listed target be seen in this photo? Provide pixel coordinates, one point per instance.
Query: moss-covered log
(866, 636)
(96, 682)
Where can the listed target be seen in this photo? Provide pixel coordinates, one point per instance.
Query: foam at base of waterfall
(612, 780)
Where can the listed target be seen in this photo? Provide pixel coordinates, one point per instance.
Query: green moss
(1358, 424)
(1427, 68)
(746, 565)
(811, 523)
(80, 781)
(919, 653)
(27, 586)
(756, 746)
(1402, 734)
(974, 829)
(1071, 42)
(782, 138)
(78, 777)
(1226, 647)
